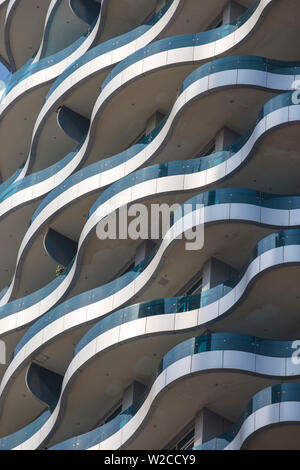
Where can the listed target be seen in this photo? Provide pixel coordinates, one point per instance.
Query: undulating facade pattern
(142, 344)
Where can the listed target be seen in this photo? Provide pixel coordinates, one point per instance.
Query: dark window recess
(192, 287)
(216, 23)
(137, 139)
(125, 269)
(129, 268)
(208, 150)
(219, 23)
(113, 415)
(186, 442)
(196, 288)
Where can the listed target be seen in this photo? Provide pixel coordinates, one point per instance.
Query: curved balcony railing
(207, 343)
(190, 302)
(108, 46)
(182, 41)
(36, 178)
(32, 67)
(264, 200)
(191, 166)
(179, 167)
(6, 186)
(281, 393)
(12, 186)
(17, 438)
(283, 238)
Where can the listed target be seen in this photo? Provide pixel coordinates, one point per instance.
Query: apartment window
(137, 139)
(192, 287)
(113, 414)
(159, 117)
(196, 288)
(186, 442)
(216, 23)
(128, 268)
(208, 150)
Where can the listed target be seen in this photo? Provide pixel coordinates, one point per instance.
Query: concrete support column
(143, 251)
(224, 138)
(132, 394)
(232, 12)
(209, 425)
(215, 272)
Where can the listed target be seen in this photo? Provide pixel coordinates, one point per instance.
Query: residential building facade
(150, 225)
